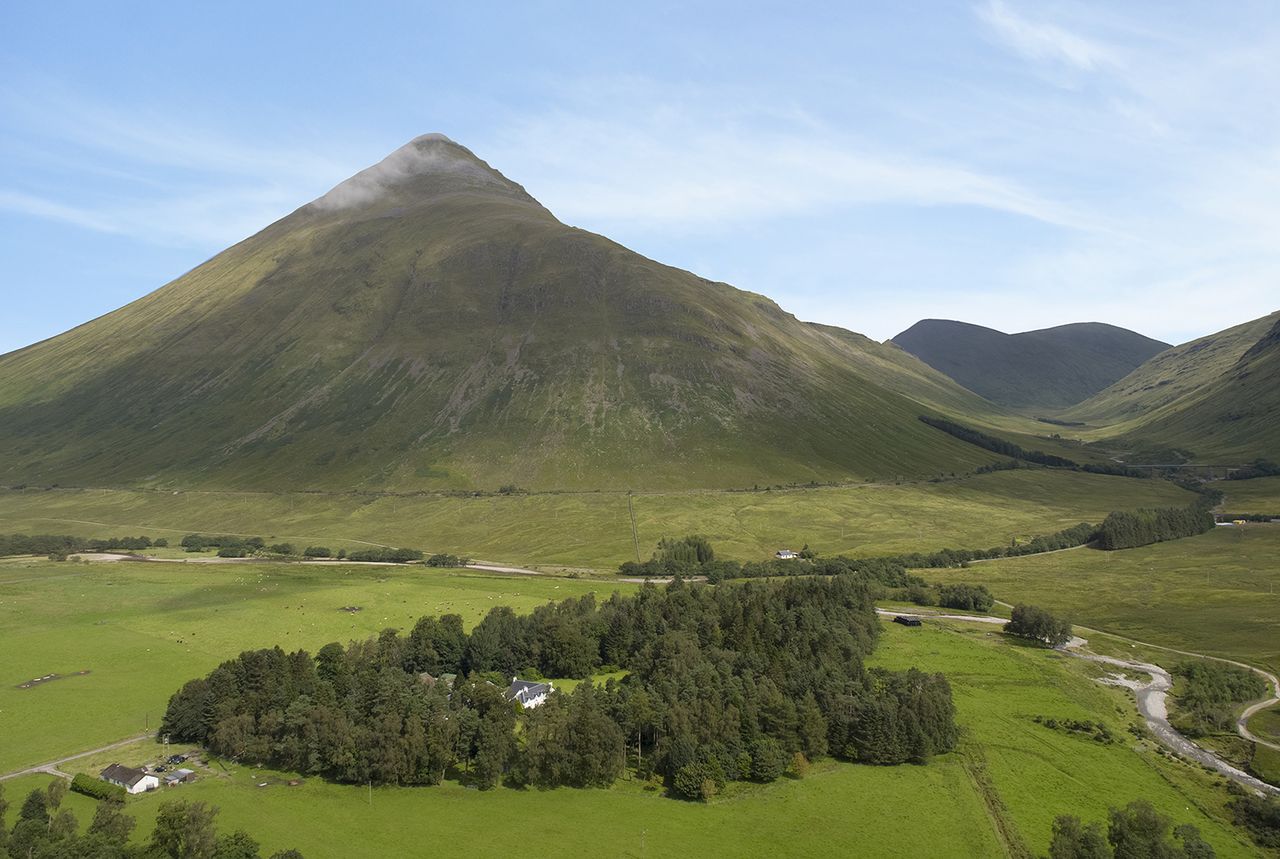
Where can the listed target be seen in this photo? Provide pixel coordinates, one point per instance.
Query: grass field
(1260, 495)
(1216, 593)
(594, 530)
(1009, 769)
(141, 630)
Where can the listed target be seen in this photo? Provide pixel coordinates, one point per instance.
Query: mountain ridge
(1046, 368)
(431, 325)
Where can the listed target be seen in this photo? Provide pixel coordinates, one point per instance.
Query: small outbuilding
(132, 780)
(907, 620)
(179, 777)
(786, 555)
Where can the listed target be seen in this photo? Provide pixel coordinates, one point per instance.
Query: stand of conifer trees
(724, 683)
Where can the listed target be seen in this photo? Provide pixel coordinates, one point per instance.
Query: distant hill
(1050, 368)
(428, 324)
(1216, 398)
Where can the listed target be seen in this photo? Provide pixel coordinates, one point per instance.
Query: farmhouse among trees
(132, 780)
(723, 683)
(528, 693)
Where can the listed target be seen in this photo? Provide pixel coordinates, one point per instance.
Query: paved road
(52, 766)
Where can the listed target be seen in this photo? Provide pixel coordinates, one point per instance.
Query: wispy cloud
(154, 177)
(1038, 40)
(677, 167)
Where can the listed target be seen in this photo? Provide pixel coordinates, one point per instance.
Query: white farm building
(133, 781)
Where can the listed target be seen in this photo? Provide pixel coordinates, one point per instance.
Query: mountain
(428, 324)
(1050, 368)
(1217, 398)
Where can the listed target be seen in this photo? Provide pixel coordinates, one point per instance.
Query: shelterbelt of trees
(1124, 529)
(740, 681)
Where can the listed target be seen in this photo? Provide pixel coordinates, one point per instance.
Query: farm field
(1259, 495)
(594, 530)
(1218, 593)
(1031, 774)
(141, 630)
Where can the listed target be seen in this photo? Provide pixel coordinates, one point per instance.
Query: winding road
(1152, 698)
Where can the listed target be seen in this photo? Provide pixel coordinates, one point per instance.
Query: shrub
(965, 597)
(317, 552)
(97, 788)
(232, 552)
(442, 560)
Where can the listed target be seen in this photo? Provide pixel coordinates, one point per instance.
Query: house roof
(526, 690)
(127, 776)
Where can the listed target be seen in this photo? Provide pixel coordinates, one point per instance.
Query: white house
(785, 554)
(528, 693)
(133, 781)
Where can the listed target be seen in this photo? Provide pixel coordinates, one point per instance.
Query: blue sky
(1009, 163)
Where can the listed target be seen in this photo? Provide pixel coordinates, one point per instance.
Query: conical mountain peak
(425, 167)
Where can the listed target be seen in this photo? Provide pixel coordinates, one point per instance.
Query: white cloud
(1040, 41)
(678, 168)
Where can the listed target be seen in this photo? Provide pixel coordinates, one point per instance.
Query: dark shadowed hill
(428, 324)
(1049, 368)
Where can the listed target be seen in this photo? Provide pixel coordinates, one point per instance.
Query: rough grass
(594, 529)
(1215, 593)
(1260, 495)
(141, 630)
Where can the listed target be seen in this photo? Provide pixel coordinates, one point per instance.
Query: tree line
(997, 445)
(738, 682)
(1127, 529)
(64, 544)
(183, 830)
(1257, 468)
(889, 570)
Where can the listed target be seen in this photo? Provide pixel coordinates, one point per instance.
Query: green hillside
(428, 324)
(1216, 398)
(1049, 368)
(1236, 417)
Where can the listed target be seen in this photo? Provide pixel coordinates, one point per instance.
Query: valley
(426, 359)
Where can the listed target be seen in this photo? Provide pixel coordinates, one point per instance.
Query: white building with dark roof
(132, 780)
(528, 693)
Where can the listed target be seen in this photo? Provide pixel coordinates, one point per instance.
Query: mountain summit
(428, 324)
(422, 169)
(1049, 368)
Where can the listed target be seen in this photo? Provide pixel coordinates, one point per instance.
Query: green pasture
(1218, 593)
(1036, 772)
(1009, 771)
(594, 529)
(1260, 495)
(142, 629)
